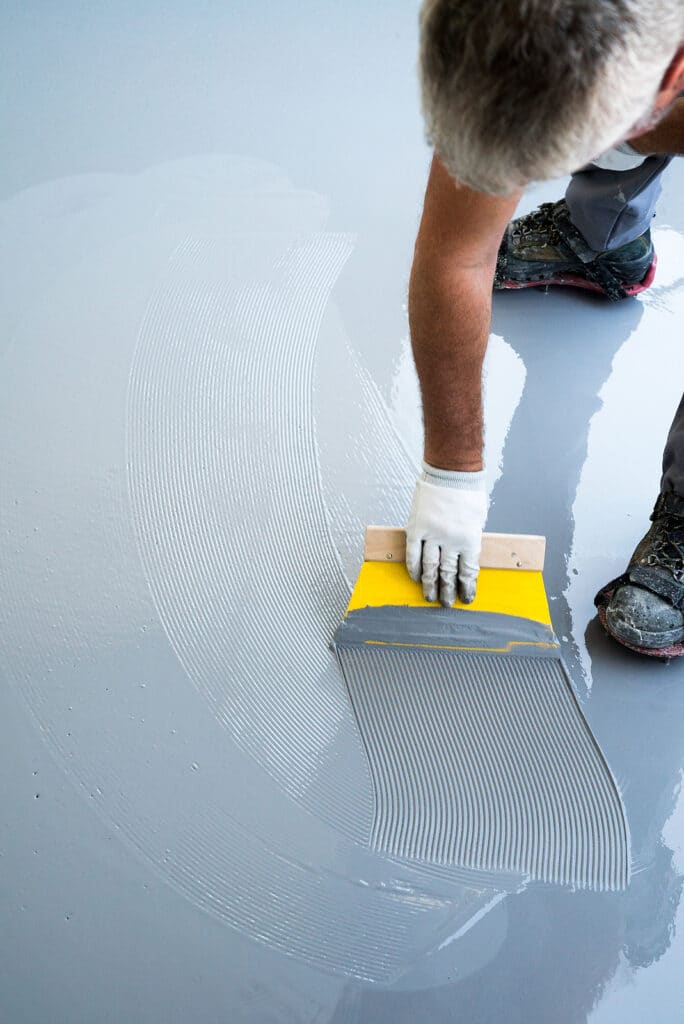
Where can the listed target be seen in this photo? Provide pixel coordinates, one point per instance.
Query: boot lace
(666, 545)
(542, 221)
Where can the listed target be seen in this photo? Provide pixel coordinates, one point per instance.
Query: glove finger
(468, 569)
(430, 570)
(414, 558)
(448, 569)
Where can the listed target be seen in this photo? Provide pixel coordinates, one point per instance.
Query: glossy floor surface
(207, 215)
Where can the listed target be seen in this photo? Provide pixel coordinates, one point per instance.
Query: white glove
(444, 533)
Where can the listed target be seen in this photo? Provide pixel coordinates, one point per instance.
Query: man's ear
(673, 81)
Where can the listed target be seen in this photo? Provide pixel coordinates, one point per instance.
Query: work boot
(642, 609)
(545, 248)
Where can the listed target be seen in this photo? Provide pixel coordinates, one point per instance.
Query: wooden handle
(499, 550)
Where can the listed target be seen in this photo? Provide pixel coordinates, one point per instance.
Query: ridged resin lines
(486, 762)
(226, 499)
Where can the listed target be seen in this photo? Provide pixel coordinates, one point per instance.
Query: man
(515, 92)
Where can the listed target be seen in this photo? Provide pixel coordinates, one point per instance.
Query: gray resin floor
(206, 222)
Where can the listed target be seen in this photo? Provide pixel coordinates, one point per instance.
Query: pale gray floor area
(207, 214)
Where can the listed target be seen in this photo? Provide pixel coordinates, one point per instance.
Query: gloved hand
(444, 533)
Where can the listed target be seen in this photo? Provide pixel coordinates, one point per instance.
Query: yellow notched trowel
(510, 586)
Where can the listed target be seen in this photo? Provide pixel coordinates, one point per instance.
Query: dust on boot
(643, 608)
(545, 248)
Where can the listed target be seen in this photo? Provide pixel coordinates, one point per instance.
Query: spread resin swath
(479, 754)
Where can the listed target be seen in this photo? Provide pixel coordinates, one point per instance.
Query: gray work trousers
(611, 208)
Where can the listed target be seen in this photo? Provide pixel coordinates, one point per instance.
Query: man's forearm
(450, 296)
(449, 314)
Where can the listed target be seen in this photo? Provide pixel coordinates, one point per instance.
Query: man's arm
(449, 314)
(666, 137)
(450, 296)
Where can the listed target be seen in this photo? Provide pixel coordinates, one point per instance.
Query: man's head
(522, 90)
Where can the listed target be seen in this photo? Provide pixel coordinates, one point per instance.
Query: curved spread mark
(226, 500)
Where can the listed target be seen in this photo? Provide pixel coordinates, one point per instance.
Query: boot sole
(575, 281)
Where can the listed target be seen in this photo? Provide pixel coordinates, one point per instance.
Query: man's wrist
(454, 462)
(458, 446)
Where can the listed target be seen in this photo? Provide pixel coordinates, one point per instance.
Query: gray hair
(521, 90)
